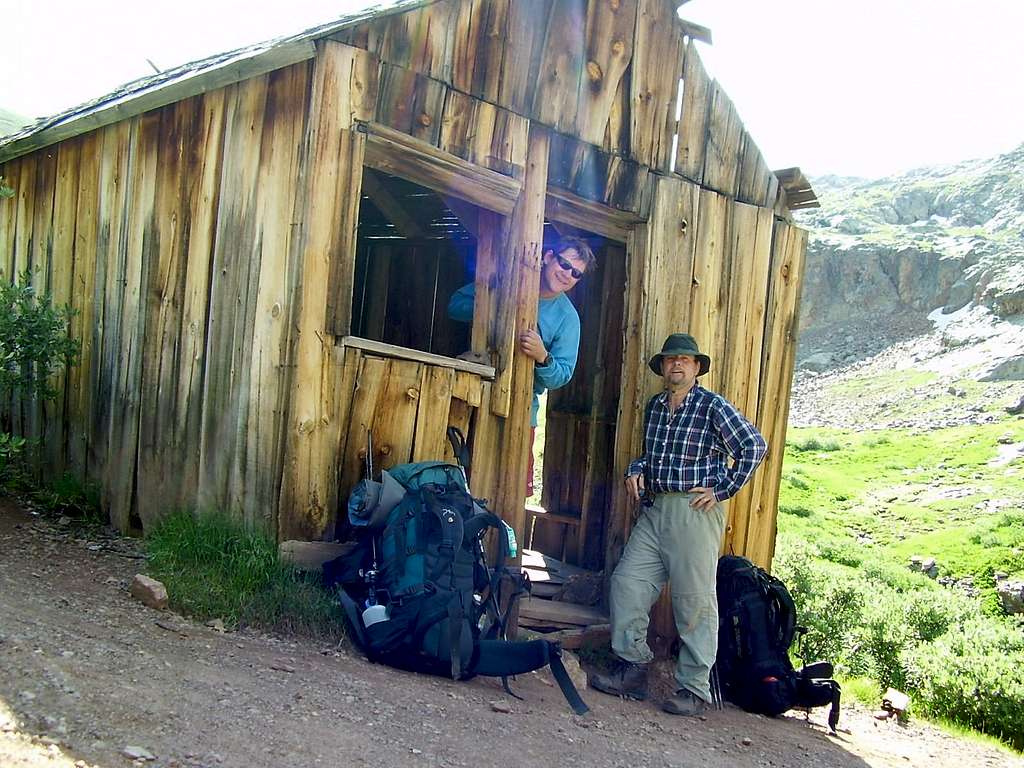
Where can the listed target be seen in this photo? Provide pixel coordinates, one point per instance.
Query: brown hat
(680, 344)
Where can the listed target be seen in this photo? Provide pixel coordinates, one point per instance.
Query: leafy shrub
(973, 677)
(829, 603)
(795, 509)
(841, 553)
(797, 482)
(34, 344)
(814, 444)
(34, 340)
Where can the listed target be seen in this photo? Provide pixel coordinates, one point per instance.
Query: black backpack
(757, 625)
(421, 564)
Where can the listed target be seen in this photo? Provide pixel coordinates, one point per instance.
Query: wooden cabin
(260, 247)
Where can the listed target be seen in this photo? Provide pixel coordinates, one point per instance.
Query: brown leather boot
(623, 679)
(685, 703)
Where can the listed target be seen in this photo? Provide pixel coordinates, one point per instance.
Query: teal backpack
(417, 588)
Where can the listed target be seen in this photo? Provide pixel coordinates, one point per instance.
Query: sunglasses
(568, 267)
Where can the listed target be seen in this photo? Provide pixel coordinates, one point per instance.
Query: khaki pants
(673, 542)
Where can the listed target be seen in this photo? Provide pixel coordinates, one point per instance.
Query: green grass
(214, 568)
(910, 493)
(854, 506)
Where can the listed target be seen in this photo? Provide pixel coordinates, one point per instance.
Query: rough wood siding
(786, 272)
(602, 72)
(740, 365)
(328, 206)
(156, 234)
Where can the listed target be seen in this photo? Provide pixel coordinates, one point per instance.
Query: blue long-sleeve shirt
(558, 324)
(690, 447)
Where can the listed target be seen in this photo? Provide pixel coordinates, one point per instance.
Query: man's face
(561, 271)
(679, 370)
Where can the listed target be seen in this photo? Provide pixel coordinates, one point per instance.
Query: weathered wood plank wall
(210, 248)
(168, 233)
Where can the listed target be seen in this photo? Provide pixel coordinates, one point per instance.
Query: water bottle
(375, 614)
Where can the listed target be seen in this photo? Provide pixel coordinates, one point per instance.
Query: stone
(1011, 595)
(821, 361)
(1008, 369)
(572, 666)
(149, 591)
(138, 753)
(501, 706)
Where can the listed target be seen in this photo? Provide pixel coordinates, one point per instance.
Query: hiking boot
(685, 703)
(623, 679)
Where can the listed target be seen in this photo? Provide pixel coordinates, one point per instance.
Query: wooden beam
(161, 94)
(518, 312)
(564, 206)
(390, 206)
(404, 353)
(402, 155)
(695, 31)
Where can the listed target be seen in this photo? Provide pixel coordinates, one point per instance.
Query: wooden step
(535, 611)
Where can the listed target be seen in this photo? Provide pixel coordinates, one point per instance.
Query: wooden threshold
(534, 611)
(405, 353)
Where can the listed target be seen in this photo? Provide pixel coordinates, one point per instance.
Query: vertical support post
(525, 249)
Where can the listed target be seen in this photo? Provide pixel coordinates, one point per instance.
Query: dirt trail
(87, 672)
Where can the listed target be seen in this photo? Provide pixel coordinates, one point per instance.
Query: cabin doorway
(574, 454)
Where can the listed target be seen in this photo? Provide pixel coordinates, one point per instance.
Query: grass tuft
(214, 568)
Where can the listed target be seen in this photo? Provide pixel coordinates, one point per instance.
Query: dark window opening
(412, 253)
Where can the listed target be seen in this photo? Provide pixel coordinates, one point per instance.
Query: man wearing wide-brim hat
(690, 434)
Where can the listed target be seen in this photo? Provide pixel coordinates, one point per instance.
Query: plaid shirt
(689, 448)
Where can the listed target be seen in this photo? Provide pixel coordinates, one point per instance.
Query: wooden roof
(798, 189)
(191, 79)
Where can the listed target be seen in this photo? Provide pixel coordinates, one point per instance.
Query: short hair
(579, 245)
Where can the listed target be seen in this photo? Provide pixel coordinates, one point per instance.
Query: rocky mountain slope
(885, 254)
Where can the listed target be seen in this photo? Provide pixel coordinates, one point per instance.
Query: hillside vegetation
(906, 445)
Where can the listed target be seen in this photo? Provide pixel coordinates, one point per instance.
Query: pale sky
(864, 88)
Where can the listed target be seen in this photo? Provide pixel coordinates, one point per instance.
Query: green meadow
(854, 507)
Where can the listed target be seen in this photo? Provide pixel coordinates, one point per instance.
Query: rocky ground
(966, 367)
(90, 677)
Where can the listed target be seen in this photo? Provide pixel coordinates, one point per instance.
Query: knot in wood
(683, 225)
(412, 393)
(618, 47)
(614, 4)
(424, 119)
(785, 270)
(385, 450)
(594, 71)
(275, 311)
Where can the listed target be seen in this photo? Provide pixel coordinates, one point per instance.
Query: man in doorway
(554, 344)
(683, 477)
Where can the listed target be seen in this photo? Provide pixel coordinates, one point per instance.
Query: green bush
(34, 340)
(795, 509)
(829, 603)
(814, 444)
(974, 677)
(214, 568)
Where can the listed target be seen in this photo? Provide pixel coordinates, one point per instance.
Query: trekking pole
(716, 688)
(458, 443)
(371, 575)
